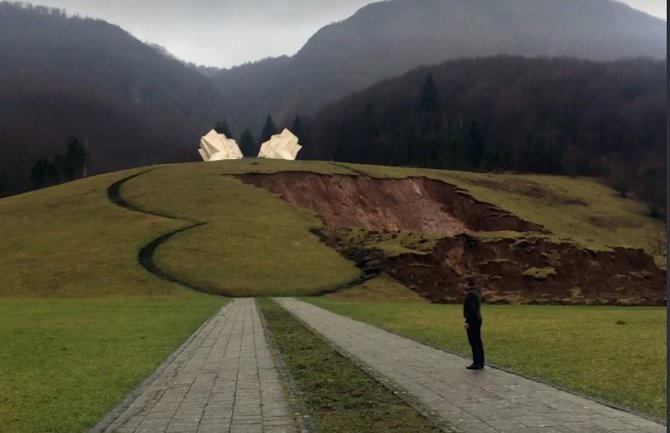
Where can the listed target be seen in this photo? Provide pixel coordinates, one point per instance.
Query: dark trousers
(475, 340)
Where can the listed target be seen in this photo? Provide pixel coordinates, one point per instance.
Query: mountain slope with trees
(558, 116)
(62, 76)
(385, 39)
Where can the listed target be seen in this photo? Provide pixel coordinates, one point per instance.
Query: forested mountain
(63, 76)
(558, 115)
(386, 39)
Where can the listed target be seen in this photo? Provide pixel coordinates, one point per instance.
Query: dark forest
(557, 116)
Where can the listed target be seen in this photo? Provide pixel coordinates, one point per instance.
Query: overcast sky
(225, 33)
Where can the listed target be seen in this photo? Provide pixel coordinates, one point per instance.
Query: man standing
(473, 324)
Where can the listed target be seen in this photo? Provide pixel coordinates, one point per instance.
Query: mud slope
(415, 204)
(531, 269)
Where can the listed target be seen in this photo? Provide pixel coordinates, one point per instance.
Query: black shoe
(475, 367)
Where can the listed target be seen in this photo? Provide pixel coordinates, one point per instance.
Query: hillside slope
(388, 38)
(207, 227)
(63, 76)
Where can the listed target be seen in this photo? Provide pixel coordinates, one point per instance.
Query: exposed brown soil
(414, 204)
(533, 271)
(527, 271)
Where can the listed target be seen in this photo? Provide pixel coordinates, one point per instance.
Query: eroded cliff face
(415, 204)
(529, 269)
(532, 271)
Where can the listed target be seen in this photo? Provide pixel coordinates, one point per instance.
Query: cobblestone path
(223, 381)
(486, 401)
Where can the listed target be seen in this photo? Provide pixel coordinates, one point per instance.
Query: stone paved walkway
(224, 380)
(486, 401)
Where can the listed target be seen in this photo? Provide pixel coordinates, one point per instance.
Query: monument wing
(218, 147)
(281, 146)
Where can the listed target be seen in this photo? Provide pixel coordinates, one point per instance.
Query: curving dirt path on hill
(146, 255)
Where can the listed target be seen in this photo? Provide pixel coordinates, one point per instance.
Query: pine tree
(269, 129)
(38, 174)
(248, 145)
(299, 130)
(221, 127)
(429, 97)
(74, 159)
(476, 145)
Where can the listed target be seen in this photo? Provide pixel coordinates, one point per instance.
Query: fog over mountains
(386, 39)
(62, 76)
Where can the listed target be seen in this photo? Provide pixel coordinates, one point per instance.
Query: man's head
(470, 283)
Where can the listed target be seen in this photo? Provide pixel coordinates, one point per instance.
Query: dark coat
(472, 306)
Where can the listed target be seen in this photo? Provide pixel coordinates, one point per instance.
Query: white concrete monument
(217, 147)
(281, 146)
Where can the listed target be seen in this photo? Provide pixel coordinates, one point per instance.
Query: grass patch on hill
(340, 397)
(379, 289)
(71, 241)
(580, 210)
(65, 363)
(616, 354)
(254, 243)
(82, 322)
(390, 243)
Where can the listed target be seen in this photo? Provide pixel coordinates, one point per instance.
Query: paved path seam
(488, 401)
(223, 381)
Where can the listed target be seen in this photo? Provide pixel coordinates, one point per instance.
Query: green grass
(580, 210)
(390, 243)
(82, 322)
(254, 243)
(579, 348)
(65, 363)
(70, 279)
(539, 273)
(340, 397)
(71, 241)
(379, 289)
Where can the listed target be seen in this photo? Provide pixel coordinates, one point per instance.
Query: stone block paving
(485, 401)
(223, 381)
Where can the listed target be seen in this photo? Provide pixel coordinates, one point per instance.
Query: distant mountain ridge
(386, 39)
(62, 76)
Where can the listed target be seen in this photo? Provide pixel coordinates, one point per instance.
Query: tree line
(249, 145)
(556, 116)
(64, 167)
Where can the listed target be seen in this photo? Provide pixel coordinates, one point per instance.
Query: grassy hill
(252, 242)
(75, 300)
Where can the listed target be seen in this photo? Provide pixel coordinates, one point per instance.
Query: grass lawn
(340, 397)
(71, 241)
(65, 363)
(81, 322)
(612, 353)
(254, 243)
(75, 303)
